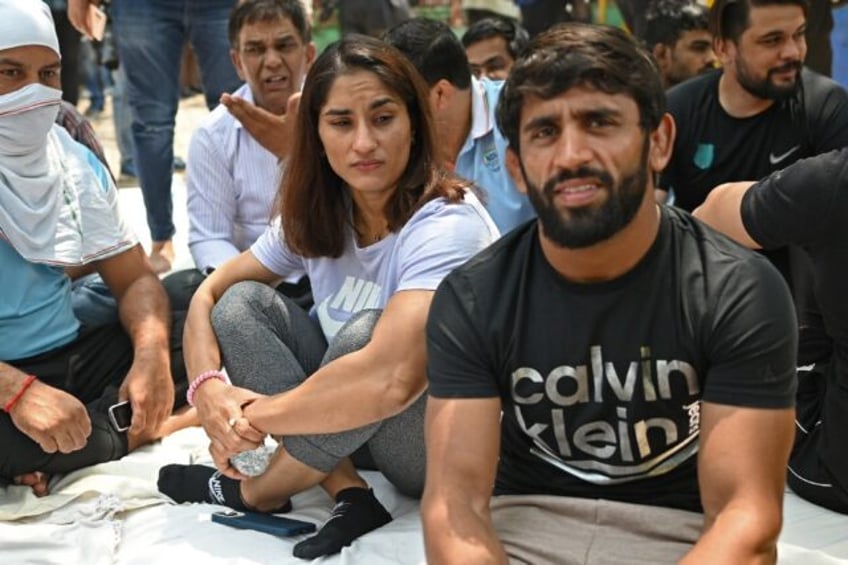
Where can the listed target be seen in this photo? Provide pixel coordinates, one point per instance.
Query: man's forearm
(11, 381)
(144, 311)
(455, 533)
(738, 536)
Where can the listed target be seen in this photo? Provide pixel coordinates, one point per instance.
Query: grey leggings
(271, 345)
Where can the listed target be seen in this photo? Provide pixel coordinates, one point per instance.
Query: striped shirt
(81, 131)
(231, 184)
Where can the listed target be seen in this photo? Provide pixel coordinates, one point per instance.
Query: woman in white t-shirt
(369, 214)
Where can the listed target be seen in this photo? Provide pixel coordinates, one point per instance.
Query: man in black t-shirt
(622, 375)
(806, 205)
(759, 113)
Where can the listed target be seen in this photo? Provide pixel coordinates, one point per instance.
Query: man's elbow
(440, 531)
(765, 534)
(433, 510)
(756, 529)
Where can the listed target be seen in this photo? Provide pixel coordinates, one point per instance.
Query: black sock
(357, 512)
(199, 483)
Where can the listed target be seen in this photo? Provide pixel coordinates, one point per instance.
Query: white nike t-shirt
(438, 238)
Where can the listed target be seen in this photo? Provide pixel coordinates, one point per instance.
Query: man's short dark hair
(576, 54)
(730, 18)
(516, 37)
(252, 11)
(666, 20)
(434, 49)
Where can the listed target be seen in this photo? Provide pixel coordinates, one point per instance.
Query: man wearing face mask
(58, 210)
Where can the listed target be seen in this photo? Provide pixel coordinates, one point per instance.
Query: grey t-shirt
(438, 238)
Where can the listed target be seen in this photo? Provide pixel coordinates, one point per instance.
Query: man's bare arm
(52, 418)
(742, 463)
(463, 443)
(145, 313)
(722, 210)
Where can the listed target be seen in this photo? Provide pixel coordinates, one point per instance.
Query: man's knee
(21, 455)
(181, 286)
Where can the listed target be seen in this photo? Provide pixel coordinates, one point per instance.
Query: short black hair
(577, 54)
(252, 11)
(730, 18)
(666, 20)
(434, 49)
(516, 37)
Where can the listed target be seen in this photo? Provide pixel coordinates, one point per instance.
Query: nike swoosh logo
(216, 493)
(775, 159)
(330, 326)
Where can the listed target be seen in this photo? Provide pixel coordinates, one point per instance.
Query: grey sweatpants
(271, 345)
(541, 529)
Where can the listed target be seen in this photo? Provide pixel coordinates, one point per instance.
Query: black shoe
(357, 512)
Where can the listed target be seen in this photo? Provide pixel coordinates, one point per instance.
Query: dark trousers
(182, 285)
(819, 460)
(69, 44)
(91, 368)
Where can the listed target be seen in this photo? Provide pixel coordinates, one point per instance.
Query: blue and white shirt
(482, 160)
(231, 184)
(36, 313)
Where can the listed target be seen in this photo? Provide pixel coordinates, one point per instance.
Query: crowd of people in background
(489, 227)
(675, 31)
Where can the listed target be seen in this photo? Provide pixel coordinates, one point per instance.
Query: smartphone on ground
(267, 523)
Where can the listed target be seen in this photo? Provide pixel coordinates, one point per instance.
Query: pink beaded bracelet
(202, 378)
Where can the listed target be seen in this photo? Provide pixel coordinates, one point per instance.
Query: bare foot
(185, 417)
(162, 256)
(182, 418)
(36, 481)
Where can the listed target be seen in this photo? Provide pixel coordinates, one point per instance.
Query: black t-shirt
(807, 205)
(601, 384)
(712, 147)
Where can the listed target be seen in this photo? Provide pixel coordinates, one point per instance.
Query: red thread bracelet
(11, 404)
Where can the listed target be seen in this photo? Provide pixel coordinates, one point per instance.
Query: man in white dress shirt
(235, 156)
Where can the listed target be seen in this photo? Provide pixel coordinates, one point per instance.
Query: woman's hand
(219, 407)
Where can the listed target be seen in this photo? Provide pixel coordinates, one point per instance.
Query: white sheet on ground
(112, 513)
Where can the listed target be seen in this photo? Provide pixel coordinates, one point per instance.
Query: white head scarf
(47, 212)
(27, 22)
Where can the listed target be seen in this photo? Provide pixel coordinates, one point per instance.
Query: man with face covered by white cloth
(58, 210)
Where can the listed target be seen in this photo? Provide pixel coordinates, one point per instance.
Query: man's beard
(766, 88)
(676, 75)
(585, 226)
